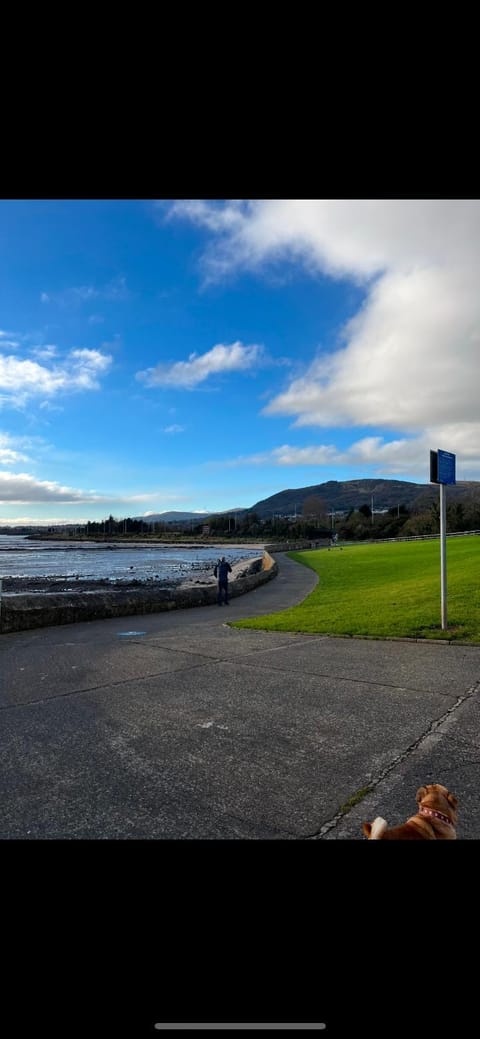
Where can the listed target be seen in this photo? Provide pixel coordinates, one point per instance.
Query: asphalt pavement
(174, 725)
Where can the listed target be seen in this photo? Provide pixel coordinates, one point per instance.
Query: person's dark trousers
(222, 587)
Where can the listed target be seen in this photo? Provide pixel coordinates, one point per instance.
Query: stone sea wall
(20, 612)
(297, 546)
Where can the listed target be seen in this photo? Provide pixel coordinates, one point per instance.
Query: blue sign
(446, 467)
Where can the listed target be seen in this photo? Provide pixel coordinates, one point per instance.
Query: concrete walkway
(177, 726)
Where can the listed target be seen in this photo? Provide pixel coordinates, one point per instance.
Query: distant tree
(420, 523)
(471, 513)
(455, 516)
(354, 527)
(314, 508)
(366, 511)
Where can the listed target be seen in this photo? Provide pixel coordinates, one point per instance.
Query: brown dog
(434, 821)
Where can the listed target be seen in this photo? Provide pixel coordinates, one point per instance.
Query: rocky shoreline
(38, 585)
(40, 602)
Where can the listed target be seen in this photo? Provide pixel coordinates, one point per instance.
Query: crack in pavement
(103, 685)
(374, 783)
(248, 661)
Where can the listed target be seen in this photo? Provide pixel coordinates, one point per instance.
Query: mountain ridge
(341, 495)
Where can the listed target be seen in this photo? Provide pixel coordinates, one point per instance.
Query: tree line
(314, 521)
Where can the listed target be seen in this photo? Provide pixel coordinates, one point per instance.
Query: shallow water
(20, 557)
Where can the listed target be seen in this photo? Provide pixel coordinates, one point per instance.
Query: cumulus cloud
(22, 379)
(22, 489)
(403, 457)
(174, 429)
(25, 489)
(408, 360)
(199, 367)
(342, 237)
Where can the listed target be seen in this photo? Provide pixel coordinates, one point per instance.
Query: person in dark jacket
(221, 572)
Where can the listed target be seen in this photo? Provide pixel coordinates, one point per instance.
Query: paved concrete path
(174, 725)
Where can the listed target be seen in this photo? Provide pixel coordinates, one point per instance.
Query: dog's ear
(367, 829)
(421, 793)
(452, 800)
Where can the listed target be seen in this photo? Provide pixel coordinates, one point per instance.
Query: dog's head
(436, 796)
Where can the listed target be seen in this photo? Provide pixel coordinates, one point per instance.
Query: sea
(60, 560)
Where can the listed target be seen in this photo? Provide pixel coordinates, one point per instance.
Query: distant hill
(172, 517)
(185, 517)
(350, 494)
(337, 494)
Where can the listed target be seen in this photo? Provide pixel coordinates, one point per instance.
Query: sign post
(442, 471)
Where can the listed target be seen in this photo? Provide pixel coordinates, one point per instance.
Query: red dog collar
(438, 815)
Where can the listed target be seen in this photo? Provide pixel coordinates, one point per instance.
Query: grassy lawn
(386, 590)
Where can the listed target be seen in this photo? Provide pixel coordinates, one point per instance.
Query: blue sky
(200, 355)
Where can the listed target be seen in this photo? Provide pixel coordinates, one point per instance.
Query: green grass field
(385, 591)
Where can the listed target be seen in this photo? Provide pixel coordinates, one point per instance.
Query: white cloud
(44, 353)
(343, 237)
(22, 489)
(8, 340)
(404, 457)
(9, 457)
(408, 361)
(174, 429)
(85, 368)
(9, 449)
(228, 217)
(199, 367)
(23, 379)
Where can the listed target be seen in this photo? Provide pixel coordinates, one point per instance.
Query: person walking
(221, 572)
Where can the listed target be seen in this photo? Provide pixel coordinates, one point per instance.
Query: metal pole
(443, 554)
